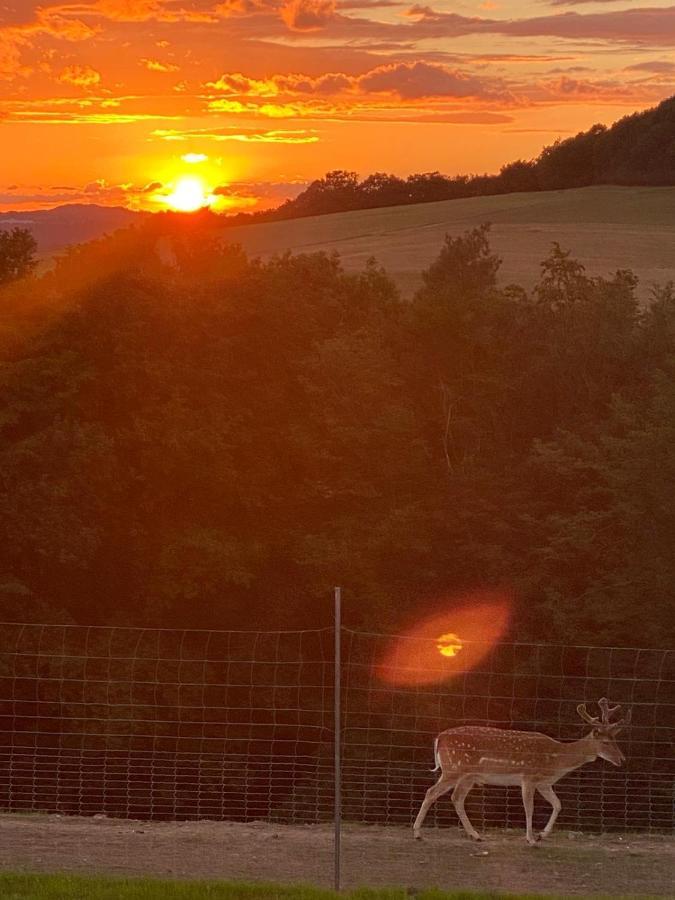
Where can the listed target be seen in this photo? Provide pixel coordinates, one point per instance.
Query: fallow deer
(474, 755)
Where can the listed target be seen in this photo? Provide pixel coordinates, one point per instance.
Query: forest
(637, 150)
(196, 439)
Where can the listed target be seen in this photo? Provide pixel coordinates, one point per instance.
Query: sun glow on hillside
(189, 194)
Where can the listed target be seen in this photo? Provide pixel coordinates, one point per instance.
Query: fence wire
(168, 724)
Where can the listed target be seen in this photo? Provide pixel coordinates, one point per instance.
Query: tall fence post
(337, 742)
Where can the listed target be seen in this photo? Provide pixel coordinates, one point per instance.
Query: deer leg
(437, 790)
(462, 788)
(550, 795)
(528, 803)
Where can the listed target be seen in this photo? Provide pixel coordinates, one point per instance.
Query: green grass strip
(23, 886)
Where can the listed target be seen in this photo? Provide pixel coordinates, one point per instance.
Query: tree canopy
(637, 150)
(193, 438)
(17, 254)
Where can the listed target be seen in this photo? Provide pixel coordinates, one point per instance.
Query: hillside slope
(605, 227)
(74, 223)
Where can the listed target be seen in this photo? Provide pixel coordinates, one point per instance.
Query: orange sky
(111, 101)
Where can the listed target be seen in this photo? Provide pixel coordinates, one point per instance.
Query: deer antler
(617, 726)
(607, 710)
(585, 715)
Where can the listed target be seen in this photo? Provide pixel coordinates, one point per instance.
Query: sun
(189, 194)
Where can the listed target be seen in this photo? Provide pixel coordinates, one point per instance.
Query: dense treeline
(193, 438)
(637, 150)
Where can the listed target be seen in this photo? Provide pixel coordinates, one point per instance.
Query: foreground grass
(79, 887)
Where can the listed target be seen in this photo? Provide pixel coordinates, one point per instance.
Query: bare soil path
(569, 863)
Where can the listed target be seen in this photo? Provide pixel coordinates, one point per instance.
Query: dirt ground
(569, 863)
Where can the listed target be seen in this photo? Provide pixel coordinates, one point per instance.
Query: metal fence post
(337, 743)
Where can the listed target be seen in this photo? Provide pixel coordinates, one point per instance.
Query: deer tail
(437, 758)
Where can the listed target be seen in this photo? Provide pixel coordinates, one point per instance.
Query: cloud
(80, 76)
(656, 66)
(22, 24)
(10, 57)
(235, 84)
(149, 10)
(259, 194)
(98, 191)
(578, 2)
(413, 81)
(407, 81)
(598, 91)
(296, 136)
(633, 26)
(308, 15)
(154, 65)
(271, 110)
(79, 114)
(367, 4)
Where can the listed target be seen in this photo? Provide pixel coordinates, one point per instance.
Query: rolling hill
(74, 223)
(605, 227)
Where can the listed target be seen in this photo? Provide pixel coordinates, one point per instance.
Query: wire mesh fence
(166, 724)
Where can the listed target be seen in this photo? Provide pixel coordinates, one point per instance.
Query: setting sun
(189, 194)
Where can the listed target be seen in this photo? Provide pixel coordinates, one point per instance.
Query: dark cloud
(411, 81)
(406, 80)
(657, 66)
(17, 12)
(637, 25)
(579, 2)
(307, 15)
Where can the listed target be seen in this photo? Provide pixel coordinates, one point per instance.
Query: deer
(473, 755)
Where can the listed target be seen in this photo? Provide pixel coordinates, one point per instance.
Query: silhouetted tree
(17, 254)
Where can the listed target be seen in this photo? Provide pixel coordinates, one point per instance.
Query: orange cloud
(407, 81)
(634, 26)
(154, 65)
(297, 136)
(307, 15)
(80, 76)
(148, 10)
(236, 84)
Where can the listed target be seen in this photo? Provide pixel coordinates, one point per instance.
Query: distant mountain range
(54, 229)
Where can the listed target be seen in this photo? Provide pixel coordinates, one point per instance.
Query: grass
(79, 887)
(605, 227)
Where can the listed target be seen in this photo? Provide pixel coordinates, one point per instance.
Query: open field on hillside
(605, 227)
(570, 864)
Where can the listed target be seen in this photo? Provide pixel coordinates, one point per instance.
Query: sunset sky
(112, 101)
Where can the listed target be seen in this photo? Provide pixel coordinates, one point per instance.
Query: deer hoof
(417, 836)
(476, 837)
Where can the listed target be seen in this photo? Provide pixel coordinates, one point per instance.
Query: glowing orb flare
(449, 645)
(189, 194)
(432, 652)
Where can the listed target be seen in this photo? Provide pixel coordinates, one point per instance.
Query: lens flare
(433, 651)
(449, 645)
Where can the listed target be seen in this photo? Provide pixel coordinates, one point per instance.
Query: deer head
(604, 731)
